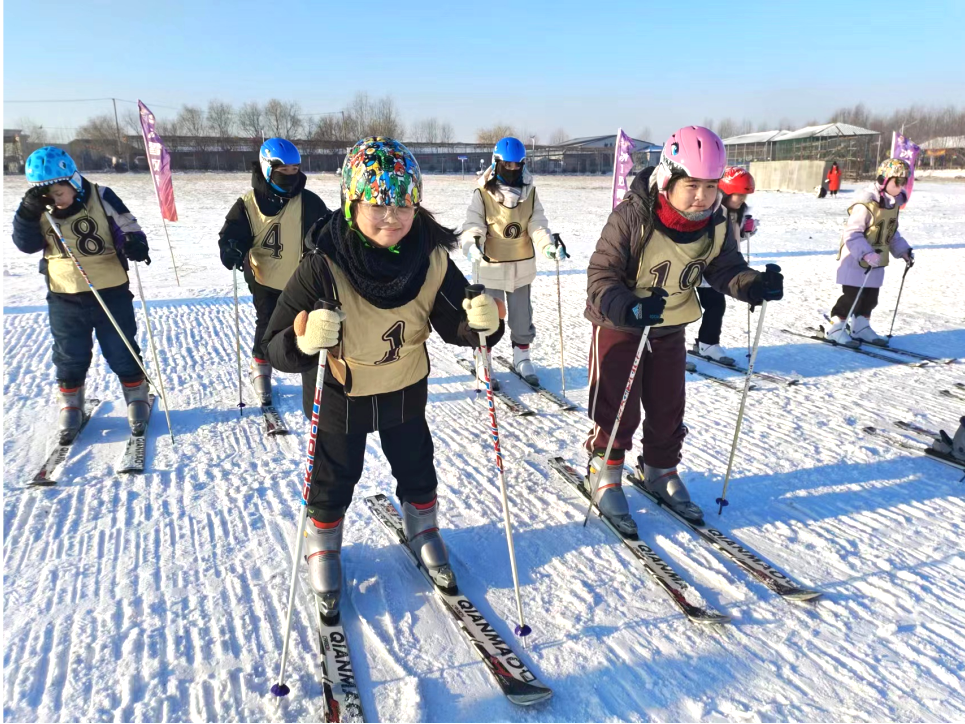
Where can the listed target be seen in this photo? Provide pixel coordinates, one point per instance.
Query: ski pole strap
(558, 243)
(329, 304)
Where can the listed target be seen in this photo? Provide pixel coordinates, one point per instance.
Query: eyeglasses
(381, 213)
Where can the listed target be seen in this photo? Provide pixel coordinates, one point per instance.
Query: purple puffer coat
(850, 272)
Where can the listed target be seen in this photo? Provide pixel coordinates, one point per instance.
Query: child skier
(665, 236)
(103, 235)
(385, 259)
(263, 234)
(505, 226)
(736, 185)
(870, 235)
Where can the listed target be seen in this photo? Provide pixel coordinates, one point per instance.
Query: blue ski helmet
(48, 165)
(509, 149)
(277, 152)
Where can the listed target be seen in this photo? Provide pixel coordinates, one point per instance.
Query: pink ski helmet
(692, 151)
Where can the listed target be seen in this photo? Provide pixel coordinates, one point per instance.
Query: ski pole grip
(329, 304)
(474, 290)
(776, 268)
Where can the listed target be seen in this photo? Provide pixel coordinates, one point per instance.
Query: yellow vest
(276, 241)
(383, 350)
(678, 268)
(88, 235)
(507, 235)
(884, 224)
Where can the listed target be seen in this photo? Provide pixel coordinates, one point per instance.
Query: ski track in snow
(162, 596)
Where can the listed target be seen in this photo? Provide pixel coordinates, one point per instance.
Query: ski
(912, 427)
(773, 578)
(857, 350)
(897, 441)
(341, 701)
(273, 422)
(691, 369)
(658, 569)
(743, 370)
(57, 460)
(517, 682)
(897, 350)
(515, 407)
(951, 395)
(135, 452)
(560, 402)
(959, 385)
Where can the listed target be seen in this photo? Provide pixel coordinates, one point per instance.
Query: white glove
(317, 330)
(482, 313)
(555, 252)
(473, 252)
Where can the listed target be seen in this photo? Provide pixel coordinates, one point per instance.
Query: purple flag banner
(903, 148)
(622, 163)
(159, 161)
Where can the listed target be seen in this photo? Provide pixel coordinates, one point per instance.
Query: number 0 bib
(276, 242)
(88, 235)
(678, 268)
(383, 350)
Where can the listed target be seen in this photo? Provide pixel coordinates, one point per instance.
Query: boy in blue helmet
(104, 236)
(504, 229)
(263, 235)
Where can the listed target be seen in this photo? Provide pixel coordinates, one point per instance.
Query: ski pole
(857, 296)
(241, 399)
(594, 484)
(100, 299)
(749, 306)
(522, 629)
(475, 281)
(153, 346)
(722, 500)
(559, 305)
(280, 689)
(898, 301)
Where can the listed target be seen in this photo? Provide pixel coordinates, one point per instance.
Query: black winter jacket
(612, 271)
(340, 413)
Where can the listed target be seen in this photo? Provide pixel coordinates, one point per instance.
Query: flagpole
(616, 158)
(157, 195)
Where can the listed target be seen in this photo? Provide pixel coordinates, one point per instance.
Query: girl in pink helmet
(667, 234)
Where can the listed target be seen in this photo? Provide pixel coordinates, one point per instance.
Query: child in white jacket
(505, 226)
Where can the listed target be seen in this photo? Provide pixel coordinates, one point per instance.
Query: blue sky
(585, 67)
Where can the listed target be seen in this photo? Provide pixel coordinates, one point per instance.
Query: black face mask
(510, 178)
(286, 182)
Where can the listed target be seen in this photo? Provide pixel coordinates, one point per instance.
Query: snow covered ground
(162, 597)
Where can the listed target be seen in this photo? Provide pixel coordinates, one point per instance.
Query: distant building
(589, 155)
(14, 141)
(944, 152)
(855, 149)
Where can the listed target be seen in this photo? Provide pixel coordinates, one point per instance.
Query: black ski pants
(714, 306)
(867, 302)
(264, 299)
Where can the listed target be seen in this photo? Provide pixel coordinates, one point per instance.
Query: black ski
(743, 370)
(273, 422)
(659, 570)
(135, 452)
(514, 406)
(912, 427)
(759, 569)
(857, 350)
(951, 395)
(517, 682)
(733, 384)
(896, 440)
(560, 402)
(341, 701)
(54, 466)
(917, 355)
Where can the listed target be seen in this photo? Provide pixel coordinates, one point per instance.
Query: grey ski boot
(666, 485)
(260, 376)
(71, 416)
(952, 446)
(610, 498)
(323, 552)
(422, 531)
(137, 397)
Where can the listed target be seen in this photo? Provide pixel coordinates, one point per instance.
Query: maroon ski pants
(659, 388)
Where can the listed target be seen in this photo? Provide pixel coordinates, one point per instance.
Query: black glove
(233, 254)
(34, 203)
(647, 311)
(769, 286)
(135, 247)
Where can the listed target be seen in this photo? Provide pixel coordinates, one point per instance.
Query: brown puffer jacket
(611, 274)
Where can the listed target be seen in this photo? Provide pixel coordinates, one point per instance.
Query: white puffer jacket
(507, 276)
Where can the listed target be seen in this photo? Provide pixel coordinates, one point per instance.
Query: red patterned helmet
(736, 180)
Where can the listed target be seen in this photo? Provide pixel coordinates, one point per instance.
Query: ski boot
(861, 330)
(953, 447)
(481, 372)
(259, 373)
(422, 532)
(138, 405)
(71, 416)
(522, 364)
(609, 494)
(714, 352)
(666, 485)
(838, 334)
(323, 553)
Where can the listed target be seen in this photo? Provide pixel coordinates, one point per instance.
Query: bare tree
(645, 134)
(282, 118)
(365, 117)
(708, 123)
(221, 123)
(386, 119)
(425, 131)
(101, 133)
(726, 128)
(251, 122)
(559, 136)
(745, 127)
(785, 124)
(764, 126)
(446, 133)
(492, 134)
(35, 131)
(327, 128)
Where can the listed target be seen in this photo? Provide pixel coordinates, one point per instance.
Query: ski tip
(709, 618)
(533, 694)
(45, 483)
(802, 594)
(280, 690)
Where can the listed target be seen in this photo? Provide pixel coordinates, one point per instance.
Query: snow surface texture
(162, 596)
